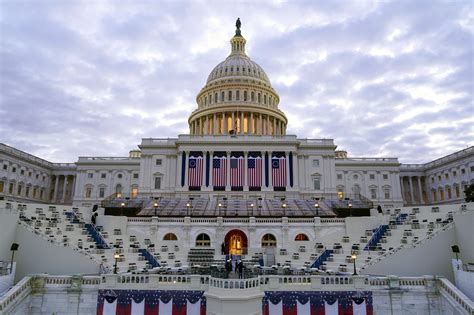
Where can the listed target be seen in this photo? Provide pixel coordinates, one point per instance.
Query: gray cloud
(390, 78)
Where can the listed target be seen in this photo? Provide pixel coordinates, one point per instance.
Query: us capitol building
(165, 229)
(237, 148)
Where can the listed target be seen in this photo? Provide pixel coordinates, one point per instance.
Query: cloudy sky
(381, 78)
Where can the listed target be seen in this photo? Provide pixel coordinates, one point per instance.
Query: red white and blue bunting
(317, 303)
(150, 302)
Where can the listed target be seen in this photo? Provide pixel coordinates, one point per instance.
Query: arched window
(118, 190)
(269, 240)
(237, 95)
(222, 96)
(258, 98)
(170, 237)
(203, 240)
(356, 190)
(252, 95)
(301, 237)
(245, 96)
(215, 98)
(229, 96)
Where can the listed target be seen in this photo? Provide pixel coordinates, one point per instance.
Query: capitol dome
(238, 98)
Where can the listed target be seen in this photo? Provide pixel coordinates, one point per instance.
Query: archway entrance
(235, 243)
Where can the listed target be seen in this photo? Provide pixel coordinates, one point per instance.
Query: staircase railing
(149, 257)
(98, 239)
(376, 237)
(322, 258)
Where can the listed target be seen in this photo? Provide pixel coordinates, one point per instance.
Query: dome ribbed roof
(238, 66)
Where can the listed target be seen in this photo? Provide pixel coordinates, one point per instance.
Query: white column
(179, 161)
(224, 119)
(250, 122)
(234, 125)
(207, 125)
(211, 179)
(73, 188)
(402, 188)
(267, 131)
(287, 161)
(55, 194)
(242, 123)
(186, 158)
(270, 171)
(63, 198)
(214, 124)
(410, 182)
(263, 169)
(419, 189)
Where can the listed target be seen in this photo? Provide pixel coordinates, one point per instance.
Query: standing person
(234, 265)
(241, 269)
(222, 248)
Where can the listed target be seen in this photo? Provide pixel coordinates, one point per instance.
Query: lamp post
(354, 257)
(188, 205)
(316, 206)
(350, 208)
(251, 206)
(122, 206)
(220, 206)
(14, 247)
(116, 257)
(155, 205)
(284, 208)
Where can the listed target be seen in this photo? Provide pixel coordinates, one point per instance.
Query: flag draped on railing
(317, 303)
(195, 171)
(151, 302)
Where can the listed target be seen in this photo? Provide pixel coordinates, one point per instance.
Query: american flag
(279, 171)
(219, 171)
(195, 171)
(237, 171)
(255, 171)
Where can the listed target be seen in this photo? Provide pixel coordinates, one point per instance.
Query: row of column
(412, 190)
(241, 123)
(64, 188)
(245, 171)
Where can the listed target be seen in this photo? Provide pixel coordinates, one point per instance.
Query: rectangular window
(90, 175)
(472, 169)
(316, 163)
(135, 175)
(446, 176)
(29, 174)
(103, 175)
(88, 192)
(432, 179)
(463, 171)
(458, 193)
(386, 193)
(439, 178)
(37, 176)
(159, 162)
(41, 193)
(134, 192)
(10, 188)
(2, 185)
(14, 170)
(5, 167)
(435, 196)
(19, 190)
(449, 193)
(317, 183)
(385, 176)
(27, 192)
(157, 182)
(22, 172)
(44, 178)
(339, 176)
(373, 193)
(34, 192)
(372, 176)
(101, 192)
(454, 174)
(441, 195)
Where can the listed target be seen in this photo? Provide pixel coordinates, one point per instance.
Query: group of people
(235, 266)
